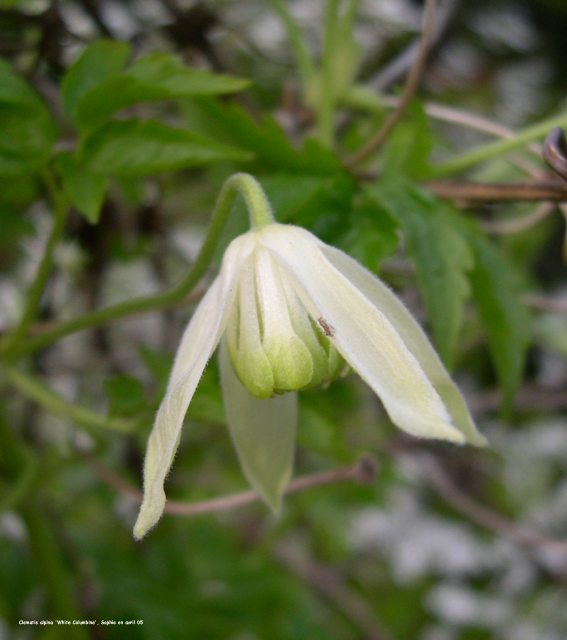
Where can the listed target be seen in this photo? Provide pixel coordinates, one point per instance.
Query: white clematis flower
(289, 311)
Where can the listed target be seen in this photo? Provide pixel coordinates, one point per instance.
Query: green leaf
(206, 404)
(13, 88)
(495, 288)
(135, 148)
(156, 76)
(98, 62)
(27, 129)
(18, 191)
(231, 124)
(126, 394)
(440, 252)
(309, 201)
(409, 146)
(372, 234)
(85, 190)
(14, 225)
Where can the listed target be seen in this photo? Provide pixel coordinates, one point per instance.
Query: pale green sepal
(251, 363)
(308, 334)
(291, 361)
(263, 432)
(413, 336)
(362, 334)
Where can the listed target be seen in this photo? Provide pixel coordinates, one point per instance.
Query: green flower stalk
(288, 312)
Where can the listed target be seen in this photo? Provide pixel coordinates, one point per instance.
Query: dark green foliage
(147, 137)
(156, 76)
(85, 190)
(27, 129)
(134, 148)
(98, 62)
(496, 290)
(440, 252)
(231, 124)
(126, 394)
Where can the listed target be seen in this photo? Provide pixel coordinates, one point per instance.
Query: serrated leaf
(156, 76)
(85, 190)
(440, 252)
(372, 235)
(308, 200)
(98, 62)
(495, 288)
(409, 145)
(129, 148)
(231, 124)
(27, 129)
(126, 394)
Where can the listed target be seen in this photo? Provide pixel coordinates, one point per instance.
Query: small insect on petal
(328, 330)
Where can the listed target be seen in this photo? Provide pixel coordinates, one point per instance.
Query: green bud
(273, 344)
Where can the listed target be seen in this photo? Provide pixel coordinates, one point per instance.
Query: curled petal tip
(478, 440)
(150, 512)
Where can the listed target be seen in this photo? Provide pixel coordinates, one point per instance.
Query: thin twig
(519, 224)
(563, 209)
(470, 191)
(485, 152)
(412, 82)
(530, 397)
(397, 68)
(35, 389)
(478, 513)
(364, 471)
(545, 303)
(330, 584)
(221, 211)
(61, 210)
(472, 121)
(361, 97)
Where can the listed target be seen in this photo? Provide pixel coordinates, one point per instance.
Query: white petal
(413, 336)
(190, 346)
(263, 433)
(304, 329)
(200, 339)
(363, 335)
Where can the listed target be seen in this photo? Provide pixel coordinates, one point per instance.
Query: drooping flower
(289, 311)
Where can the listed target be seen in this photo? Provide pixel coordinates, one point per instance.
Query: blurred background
(445, 543)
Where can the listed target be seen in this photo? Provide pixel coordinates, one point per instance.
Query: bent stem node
(260, 215)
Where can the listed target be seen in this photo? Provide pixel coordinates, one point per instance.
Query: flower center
(274, 345)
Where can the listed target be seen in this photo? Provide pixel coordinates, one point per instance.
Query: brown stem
(412, 82)
(479, 192)
(545, 303)
(364, 470)
(330, 584)
(478, 513)
(519, 224)
(399, 65)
